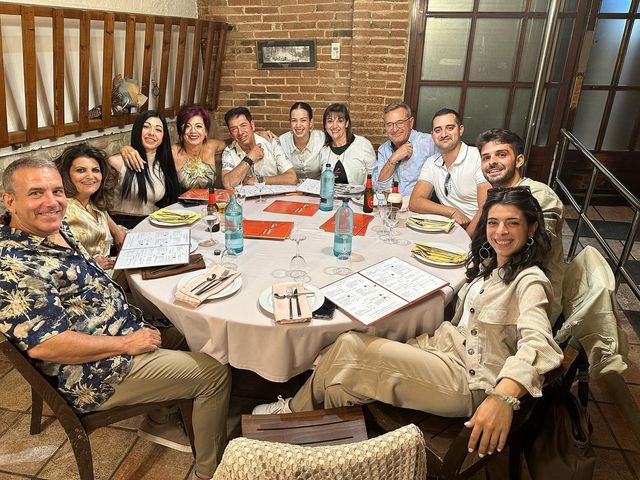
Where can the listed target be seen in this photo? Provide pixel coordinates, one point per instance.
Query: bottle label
(370, 202)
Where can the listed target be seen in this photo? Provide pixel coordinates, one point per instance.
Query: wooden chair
(78, 426)
(447, 438)
(311, 429)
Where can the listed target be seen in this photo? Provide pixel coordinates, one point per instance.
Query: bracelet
(512, 401)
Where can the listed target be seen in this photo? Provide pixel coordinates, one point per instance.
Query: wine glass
(229, 259)
(298, 265)
(241, 194)
(382, 205)
(342, 263)
(390, 218)
(260, 183)
(222, 199)
(210, 220)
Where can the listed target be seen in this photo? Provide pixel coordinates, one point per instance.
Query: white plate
(159, 223)
(266, 298)
(428, 216)
(193, 246)
(443, 246)
(230, 290)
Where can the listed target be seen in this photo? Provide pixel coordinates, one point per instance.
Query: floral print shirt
(46, 289)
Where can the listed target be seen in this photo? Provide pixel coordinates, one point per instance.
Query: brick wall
(373, 37)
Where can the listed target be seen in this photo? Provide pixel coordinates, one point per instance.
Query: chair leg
(79, 440)
(36, 413)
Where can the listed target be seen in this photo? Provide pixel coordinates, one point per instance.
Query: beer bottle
(367, 204)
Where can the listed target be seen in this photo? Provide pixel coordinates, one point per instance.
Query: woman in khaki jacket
(497, 347)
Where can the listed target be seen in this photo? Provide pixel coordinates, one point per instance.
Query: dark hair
(185, 114)
(237, 112)
(164, 159)
(501, 135)
(342, 111)
(25, 162)
(447, 111)
(304, 106)
(100, 197)
(521, 198)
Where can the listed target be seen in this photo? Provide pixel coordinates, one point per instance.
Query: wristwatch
(247, 160)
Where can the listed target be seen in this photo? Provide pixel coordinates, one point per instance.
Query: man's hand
(256, 153)
(402, 153)
(141, 341)
(491, 423)
(132, 158)
(460, 218)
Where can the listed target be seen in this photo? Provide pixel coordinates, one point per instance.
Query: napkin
(165, 215)
(186, 295)
(281, 305)
(438, 254)
(432, 225)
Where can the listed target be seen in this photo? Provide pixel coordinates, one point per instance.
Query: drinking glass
(298, 265)
(382, 205)
(222, 199)
(342, 263)
(210, 220)
(229, 259)
(390, 218)
(241, 194)
(260, 183)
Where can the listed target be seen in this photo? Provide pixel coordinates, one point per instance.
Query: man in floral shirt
(74, 321)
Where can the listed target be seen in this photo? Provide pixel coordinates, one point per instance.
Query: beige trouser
(360, 368)
(168, 375)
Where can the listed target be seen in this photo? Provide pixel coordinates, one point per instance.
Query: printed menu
(266, 229)
(293, 208)
(360, 224)
(156, 248)
(253, 191)
(202, 194)
(382, 289)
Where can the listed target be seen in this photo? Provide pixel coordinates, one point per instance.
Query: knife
(297, 297)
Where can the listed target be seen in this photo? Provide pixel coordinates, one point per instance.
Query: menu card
(266, 229)
(293, 208)
(360, 224)
(312, 186)
(252, 190)
(382, 289)
(202, 194)
(156, 248)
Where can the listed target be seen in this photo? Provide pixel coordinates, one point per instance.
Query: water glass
(229, 259)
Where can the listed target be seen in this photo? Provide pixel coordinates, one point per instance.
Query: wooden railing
(207, 53)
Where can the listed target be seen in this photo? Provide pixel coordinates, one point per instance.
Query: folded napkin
(431, 225)
(281, 305)
(166, 215)
(186, 295)
(195, 263)
(438, 254)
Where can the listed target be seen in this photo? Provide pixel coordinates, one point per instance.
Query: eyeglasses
(398, 124)
(197, 127)
(501, 191)
(447, 182)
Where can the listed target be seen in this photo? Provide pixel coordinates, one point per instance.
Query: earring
(485, 251)
(528, 244)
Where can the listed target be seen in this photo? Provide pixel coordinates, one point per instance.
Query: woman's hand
(118, 237)
(491, 423)
(269, 135)
(106, 263)
(132, 158)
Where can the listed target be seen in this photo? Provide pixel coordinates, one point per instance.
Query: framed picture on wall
(286, 53)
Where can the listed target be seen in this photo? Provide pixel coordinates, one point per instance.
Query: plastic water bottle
(233, 234)
(343, 232)
(326, 189)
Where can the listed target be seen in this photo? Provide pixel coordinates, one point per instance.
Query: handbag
(560, 448)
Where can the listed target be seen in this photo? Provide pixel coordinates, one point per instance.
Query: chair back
(591, 313)
(397, 455)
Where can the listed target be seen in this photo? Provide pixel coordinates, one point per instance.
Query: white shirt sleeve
(282, 162)
(427, 171)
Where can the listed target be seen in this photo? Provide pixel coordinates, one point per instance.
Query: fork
(290, 297)
(208, 279)
(214, 283)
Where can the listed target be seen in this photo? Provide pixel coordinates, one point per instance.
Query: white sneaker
(281, 406)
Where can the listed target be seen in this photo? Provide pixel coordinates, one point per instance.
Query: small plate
(193, 246)
(160, 223)
(266, 298)
(230, 290)
(428, 216)
(443, 246)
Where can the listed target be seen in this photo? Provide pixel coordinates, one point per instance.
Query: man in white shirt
(501, 153)
(250, 155)
(401, 157)
(302, 144)
(454, 174)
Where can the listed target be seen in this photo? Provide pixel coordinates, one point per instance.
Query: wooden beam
(83, 102)
(58, 72)
(129, 46)
(107, 69)
(164, 65)
(217, 71)
(197, 36)
(29, 69)
(147, 58)
(206, 71)
(177, 81)
(4, 137)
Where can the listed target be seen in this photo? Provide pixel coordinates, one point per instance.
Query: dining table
(236, 330)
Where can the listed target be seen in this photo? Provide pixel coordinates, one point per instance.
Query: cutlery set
(211, 281)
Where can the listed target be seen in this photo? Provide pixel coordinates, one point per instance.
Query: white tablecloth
(237, 331)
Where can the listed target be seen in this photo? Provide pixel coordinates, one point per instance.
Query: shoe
(281, 406)
(170, 434)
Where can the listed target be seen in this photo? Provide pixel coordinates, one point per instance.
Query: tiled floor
(120, 455)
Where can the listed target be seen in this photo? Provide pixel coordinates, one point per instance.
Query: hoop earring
(527, 245)
(485, 251)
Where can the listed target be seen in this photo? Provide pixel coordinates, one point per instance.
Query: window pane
(500, 6)
(631, 68)
(531, 50)
(563, 45)
(547, 116)
(539, 5)
(450, 5)
(443, 59)
(589, 116)
(484, 109)
(431, 100)
(494, 47)
(621, 121)
(520, 110)
(569, 6)
(615, 6)
(604, 52)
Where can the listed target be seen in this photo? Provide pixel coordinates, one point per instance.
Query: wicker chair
(76, 425)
